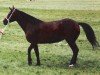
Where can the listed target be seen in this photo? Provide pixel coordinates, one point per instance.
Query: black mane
(29, 17)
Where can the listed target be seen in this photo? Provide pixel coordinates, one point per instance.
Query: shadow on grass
(60, 61)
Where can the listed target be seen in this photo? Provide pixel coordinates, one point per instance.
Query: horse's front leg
(37, 54)
(29, 55)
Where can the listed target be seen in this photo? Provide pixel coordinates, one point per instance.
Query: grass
(54, 57)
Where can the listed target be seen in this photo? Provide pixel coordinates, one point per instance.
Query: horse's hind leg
(75, 52)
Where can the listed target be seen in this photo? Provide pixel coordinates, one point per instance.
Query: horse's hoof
(29, 63)
(71, 66)
(38, 64)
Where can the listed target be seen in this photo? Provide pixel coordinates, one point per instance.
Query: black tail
(89, 34)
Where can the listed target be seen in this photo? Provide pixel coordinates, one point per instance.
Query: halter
(8, 22)
(10, 16)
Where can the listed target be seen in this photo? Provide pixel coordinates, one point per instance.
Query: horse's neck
(22, 25)
(23, 21)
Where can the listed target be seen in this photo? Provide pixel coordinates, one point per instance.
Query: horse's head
(11, 16)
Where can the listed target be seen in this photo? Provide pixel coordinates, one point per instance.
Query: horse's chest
(31, 37)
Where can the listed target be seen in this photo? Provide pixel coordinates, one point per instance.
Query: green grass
(54, 57)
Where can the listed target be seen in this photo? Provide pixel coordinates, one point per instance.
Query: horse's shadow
(57, 61)
(60, 61)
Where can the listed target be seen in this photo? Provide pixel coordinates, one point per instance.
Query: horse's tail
(89, 34)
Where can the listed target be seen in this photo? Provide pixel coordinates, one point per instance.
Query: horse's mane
(29, 17)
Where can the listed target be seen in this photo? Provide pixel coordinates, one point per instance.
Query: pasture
(55, 57)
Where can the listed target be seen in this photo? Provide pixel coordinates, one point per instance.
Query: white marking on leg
(71, 65)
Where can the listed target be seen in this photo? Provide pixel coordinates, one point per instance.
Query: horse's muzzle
(5, 22)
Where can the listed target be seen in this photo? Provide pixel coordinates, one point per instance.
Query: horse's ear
(13, 7)
(10, 8)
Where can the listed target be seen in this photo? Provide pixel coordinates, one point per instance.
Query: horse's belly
(51, 40)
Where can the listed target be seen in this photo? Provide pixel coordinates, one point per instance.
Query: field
(55, 57)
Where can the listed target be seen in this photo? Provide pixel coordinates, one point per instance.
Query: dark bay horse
(40, 32)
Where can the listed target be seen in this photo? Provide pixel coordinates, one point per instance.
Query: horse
(40, 32)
